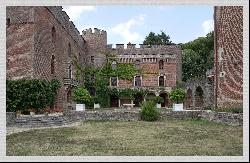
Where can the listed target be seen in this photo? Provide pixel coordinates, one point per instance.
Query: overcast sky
(127, 23)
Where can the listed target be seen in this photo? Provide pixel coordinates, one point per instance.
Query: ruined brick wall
(228, 56)
(148, 59)
(96, 46)
(19, 42)
(31, 45)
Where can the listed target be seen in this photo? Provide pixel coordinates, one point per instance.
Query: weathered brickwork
(42, 43)
(228, 56)
(38, 36)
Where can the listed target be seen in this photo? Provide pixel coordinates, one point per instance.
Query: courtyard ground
(124, 138)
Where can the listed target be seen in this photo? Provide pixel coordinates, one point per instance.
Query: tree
(177, 95)
(157, 39)
(197, 56)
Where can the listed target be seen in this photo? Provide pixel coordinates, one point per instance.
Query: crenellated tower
(96, 46)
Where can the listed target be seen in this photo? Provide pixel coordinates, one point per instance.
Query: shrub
(82, 96)
(158, 99)
(30, 94)
(177, 95)
(148, 111)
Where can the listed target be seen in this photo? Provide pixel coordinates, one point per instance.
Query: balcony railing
(72, 82)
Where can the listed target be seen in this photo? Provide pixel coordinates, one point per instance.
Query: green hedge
(26, 94)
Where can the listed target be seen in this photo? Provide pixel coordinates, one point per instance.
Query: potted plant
(158, 100)
(177, 95)
(82, 97)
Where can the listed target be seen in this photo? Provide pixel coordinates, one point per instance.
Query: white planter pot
(158, 105)
(80, 107)
(32, 113)
(96, 106)
(178, 107)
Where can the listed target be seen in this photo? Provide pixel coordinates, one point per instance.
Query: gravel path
(11, 130)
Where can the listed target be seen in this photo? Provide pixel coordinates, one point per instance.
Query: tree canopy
(157, 39)
(197, 56)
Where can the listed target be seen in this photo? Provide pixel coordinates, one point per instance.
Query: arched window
(52, 66)
(53, 35)
(137, 81)
(69, 50)
(161, 81)
(114, 81)
(161, 64)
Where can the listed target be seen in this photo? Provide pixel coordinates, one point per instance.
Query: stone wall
(228, 56)
(74, 116)
(193, 99)
(19, 42)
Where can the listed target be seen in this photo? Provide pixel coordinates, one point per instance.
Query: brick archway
(189, 99)
(165, 103)
(198, 98)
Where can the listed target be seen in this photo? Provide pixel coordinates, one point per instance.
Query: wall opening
(198, 97)
(161, 64)
(165, 103)
(161, 81)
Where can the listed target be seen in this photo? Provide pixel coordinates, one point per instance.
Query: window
(161, 64)
(53, 35)
(8, 22)
(114, 81)
(69, 50)
(52, 67)
(137, 81)
(161, 81)
(137, 64)
(92, 59)
(69, 72)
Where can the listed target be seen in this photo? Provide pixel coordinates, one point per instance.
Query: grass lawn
(122, 138)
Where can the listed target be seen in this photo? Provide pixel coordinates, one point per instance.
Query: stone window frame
(70, 72)
(220, 54)
(110, 81)
(164, 80)
(140, 81)
(161, 64)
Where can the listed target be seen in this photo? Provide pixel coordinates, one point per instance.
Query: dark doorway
(114, 101)
(198, 97)
(138, 100)
(189, 99)
(165, 98)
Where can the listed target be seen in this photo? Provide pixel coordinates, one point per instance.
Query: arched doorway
(189, 99)
(165, 98)
(138, 99)
(114, 101)
(198, 97)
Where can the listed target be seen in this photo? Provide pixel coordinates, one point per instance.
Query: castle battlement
(96, 32)
(68, 25)
(142, 46)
